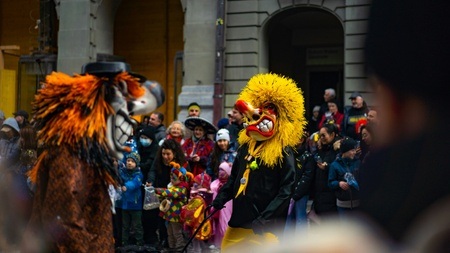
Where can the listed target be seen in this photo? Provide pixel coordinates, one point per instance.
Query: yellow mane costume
(263, 173)
(288, 100)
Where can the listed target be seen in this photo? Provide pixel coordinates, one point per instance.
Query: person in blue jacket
(132, 200)
(342, 177)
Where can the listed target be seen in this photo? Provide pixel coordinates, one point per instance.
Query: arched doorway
(307, 44)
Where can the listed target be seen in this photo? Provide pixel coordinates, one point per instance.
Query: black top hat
(109, 69)
(192, 122)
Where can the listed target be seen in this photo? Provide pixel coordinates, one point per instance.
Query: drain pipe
(218, 96)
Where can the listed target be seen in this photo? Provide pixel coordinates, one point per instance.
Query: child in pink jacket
(221, 218)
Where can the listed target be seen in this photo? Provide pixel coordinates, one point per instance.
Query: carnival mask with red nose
(260, 121)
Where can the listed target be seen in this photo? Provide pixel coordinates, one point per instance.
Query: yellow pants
(245, 240)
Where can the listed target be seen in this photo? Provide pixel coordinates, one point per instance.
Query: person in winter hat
(148, 148)
(221, 218)
(223, 151)
(175, 197)
(10, 124)
(200, 191)
(132, 200)
(201, 181)
(343, 176)
(223, 123)
(21, 116)
(135, 157)
(347, 144)
(223, 134)
(9, 142)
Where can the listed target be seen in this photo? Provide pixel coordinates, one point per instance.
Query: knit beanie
(202, 180)
(347, 144)
(149, 131)
(222, 123)
(135, 156)
(223, 134)
(194, 105)
(225, 167)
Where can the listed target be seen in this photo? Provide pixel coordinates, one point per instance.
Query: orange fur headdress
(72, 111)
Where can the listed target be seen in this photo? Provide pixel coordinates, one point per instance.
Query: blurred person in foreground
(405, 186)
(407, 51)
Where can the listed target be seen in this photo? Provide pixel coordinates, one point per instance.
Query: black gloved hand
(217, 205)
(258, 225)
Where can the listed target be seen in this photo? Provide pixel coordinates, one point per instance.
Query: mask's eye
(123, 87)
(270, 108)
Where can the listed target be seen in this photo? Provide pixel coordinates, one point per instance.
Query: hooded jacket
(132, 197)
(336, 174)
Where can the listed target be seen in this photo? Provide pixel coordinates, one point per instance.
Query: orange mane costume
(72, 207)
(80, 102)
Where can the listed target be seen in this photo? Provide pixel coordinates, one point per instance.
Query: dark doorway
(307, 45)
(321, 80)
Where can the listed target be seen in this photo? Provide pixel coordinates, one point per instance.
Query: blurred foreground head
(407, 46)
(335, 235)
(407, 56)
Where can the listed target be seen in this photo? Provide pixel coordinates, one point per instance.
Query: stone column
(86, 28)
(199, 49)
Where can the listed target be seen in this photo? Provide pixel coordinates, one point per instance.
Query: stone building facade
(327, 37)
(318, 43)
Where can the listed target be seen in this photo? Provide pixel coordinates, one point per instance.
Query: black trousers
(151, 223)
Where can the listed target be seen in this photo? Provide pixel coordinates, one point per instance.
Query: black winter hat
(148, 131)
(347, 144)
(22, 113)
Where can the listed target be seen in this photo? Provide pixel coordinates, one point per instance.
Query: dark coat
(351, 116)
(324, 197)
(267, 194)
(337, 173)
(304, 175)
(399, 183)
(148, 155)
